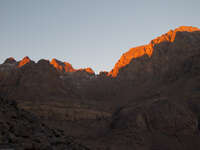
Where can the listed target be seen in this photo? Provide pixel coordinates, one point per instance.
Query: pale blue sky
(87, 33)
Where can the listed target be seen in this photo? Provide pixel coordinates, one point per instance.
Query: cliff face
(167, 57)
(62, 66)
(67, 67)
(173, 39)
(24, 61)
(149, 100)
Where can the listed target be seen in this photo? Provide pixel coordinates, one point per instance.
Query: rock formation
(10, 60)
(24, 61)
(166, 40)
(148, 101)
(67, 67)
(62, 66)
(22, 130)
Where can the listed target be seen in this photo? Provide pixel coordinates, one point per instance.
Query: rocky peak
(68, 67)
(24, 61)
(57, 64)
(187, 29)
(171, 34)
(88, 70)
(10, 60)
(128, 56)
(148, 49)
(62, 66)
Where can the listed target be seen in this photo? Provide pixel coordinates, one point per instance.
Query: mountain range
(148, 101)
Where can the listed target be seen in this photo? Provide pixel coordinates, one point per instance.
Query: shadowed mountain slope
(149, 101)
(167, 40)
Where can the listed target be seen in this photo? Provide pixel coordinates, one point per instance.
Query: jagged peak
(171, 34)
(148, 49)
(88, 70)
(68, 67)
(24, 61)
(10, 60)
(56, 64)
(68, 64)
(54, 60)
(187, 29)
(62, 66)
(128, 56)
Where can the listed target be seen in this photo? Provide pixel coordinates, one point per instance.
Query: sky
(87, 33)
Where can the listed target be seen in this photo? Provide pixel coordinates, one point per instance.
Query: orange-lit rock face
(56, 64)
(88, 70)
(64, 67)
(24, 61)
(68, 67)
(147, 49)
(128, 56)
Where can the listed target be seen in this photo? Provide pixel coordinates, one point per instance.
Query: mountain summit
(62, 66)
(148, 49)
(150, 99)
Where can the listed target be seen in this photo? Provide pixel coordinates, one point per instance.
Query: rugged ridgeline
(39, 80)
(169, 49)
(67, 67)
(148, 101)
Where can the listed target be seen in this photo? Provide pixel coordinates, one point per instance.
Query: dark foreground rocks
(157, 125)
(21, 130)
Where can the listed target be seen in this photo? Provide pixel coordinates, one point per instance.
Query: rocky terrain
(148, 101)
(22, 130)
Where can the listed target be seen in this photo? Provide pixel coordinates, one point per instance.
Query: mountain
(148, 101)
(33, 80)
(62, 66)
(10, 60)
(176, 39)
(24, 61)
(67, 67)
(41, 80)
